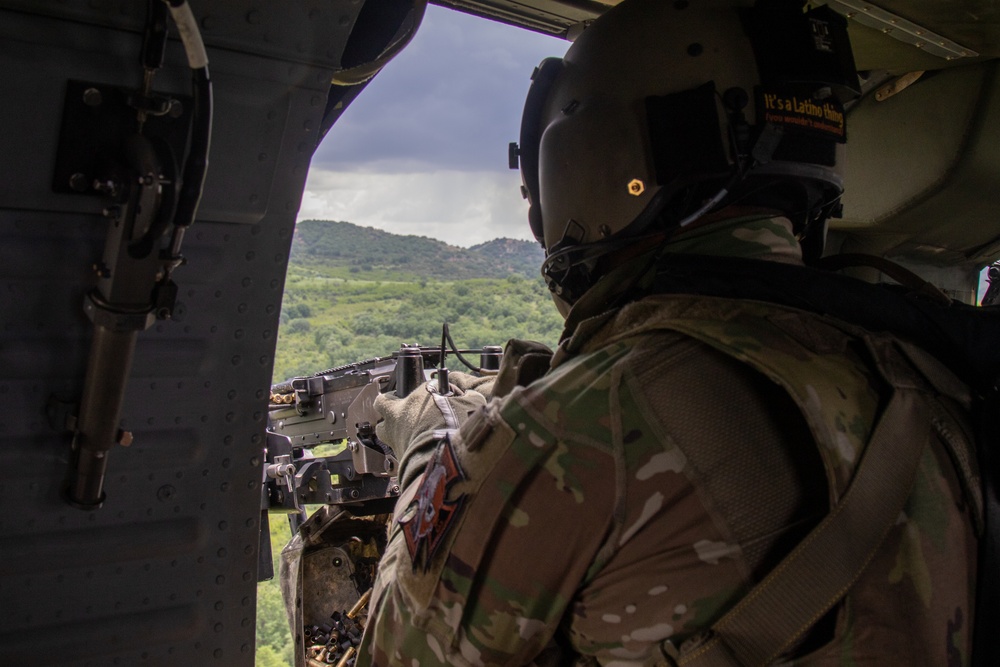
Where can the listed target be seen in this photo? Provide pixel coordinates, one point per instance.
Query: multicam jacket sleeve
(630, 497)
(489, 578)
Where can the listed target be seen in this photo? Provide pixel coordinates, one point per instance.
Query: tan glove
(524, 361)
(466, 382)
(423, 416)
(413, 425)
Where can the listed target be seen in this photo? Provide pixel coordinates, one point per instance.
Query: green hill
(342, 247)
(355, 292)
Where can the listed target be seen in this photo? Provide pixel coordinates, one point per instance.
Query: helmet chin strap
(705, 208)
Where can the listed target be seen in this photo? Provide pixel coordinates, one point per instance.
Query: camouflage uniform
(639, 489)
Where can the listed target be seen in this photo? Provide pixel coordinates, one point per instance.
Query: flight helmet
(663, 111)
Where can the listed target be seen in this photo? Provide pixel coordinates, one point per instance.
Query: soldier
(641, 502)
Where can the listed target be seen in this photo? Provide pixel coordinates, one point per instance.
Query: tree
(299, 325)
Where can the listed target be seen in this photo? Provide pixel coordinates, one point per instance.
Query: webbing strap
(986, 648)
(823, 567)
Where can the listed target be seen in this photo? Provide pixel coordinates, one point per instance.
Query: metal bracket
(96, 118)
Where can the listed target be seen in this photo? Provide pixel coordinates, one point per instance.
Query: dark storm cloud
(451, 100)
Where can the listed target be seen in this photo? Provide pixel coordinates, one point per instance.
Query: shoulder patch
(425, 528)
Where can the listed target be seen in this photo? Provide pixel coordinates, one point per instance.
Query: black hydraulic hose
(446, 335)
(985, 649)
(196, 164)
(154, 42)
(154, 47)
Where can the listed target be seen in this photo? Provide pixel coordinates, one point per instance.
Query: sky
(423, 149)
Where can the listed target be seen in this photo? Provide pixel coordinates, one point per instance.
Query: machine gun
(336, 407)
(322, 450)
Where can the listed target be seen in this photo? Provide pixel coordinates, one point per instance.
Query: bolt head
(79, 182)
(92, 97)
(636, 187)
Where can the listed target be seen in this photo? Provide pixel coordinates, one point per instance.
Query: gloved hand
(424, 415)
(466, 382)
(413, 425)
(524, 361)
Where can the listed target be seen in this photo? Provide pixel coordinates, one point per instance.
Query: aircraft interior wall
(165, 572)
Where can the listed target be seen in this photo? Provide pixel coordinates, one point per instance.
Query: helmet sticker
(802, 113)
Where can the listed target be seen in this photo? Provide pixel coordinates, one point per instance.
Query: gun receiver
(336, 407)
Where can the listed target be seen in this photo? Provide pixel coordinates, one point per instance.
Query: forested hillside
(355, 292)
(371, 253)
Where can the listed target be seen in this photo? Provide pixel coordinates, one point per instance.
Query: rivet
(92, 97)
